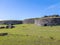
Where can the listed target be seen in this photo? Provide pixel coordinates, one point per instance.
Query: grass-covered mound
(30, 34)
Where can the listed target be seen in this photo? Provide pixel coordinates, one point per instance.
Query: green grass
(30, 34)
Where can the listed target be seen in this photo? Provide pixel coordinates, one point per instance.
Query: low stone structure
(10, 26)
(2, 27)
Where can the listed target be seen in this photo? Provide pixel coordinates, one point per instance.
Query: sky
(23, 9)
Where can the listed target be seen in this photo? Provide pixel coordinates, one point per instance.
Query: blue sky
(23, 9)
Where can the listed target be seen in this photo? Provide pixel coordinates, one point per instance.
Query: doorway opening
(45, 24)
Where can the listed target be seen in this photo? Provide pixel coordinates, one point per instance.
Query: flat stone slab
(3, 34)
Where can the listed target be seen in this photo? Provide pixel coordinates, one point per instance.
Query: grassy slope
(30, 34)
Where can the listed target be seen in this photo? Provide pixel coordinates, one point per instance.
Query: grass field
(30, 34)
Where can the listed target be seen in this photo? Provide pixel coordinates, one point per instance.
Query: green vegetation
(30, 34)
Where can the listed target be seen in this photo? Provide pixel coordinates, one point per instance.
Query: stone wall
(28, 21)
(47, 21)
(10, 22)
